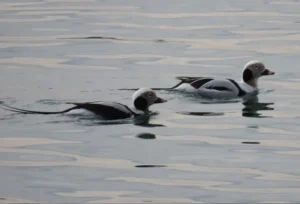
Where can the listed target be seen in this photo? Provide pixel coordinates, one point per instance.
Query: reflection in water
(115, 38)
(252, 106)
(198, 98)
(150, 166)
(250, 142)
(94, 120)
(146, 136)
(144, 121)
(201, 113)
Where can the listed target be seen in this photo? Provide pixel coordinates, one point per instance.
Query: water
(192, 150)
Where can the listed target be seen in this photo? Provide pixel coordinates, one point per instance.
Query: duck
(142, 99)
(224, 88)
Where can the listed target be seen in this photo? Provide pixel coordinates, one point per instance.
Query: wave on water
(115, 39)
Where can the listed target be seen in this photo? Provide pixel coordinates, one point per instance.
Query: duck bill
(267, 72)
(160, 100)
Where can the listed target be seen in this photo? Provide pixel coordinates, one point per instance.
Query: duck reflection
(201, 113)
(150, 166)
(146, 136)
(144, 121)
(252, 106)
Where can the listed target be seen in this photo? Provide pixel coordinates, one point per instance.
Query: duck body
(223, 88)
(142, 99)
(214, 87)
(105, 110)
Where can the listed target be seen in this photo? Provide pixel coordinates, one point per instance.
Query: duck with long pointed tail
(142, 99)
(223, 88)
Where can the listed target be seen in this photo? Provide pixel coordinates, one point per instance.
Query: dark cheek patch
(247, 75)
(141, 103)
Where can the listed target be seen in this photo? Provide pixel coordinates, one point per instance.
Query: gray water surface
(55, 51)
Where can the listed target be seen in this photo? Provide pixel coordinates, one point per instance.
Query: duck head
(254, 70)
(145, 97)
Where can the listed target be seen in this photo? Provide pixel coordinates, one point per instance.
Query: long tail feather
(23, 111)
(133, 89)
(156, 89)
(15, 111)
(76, 104)
(187, 79)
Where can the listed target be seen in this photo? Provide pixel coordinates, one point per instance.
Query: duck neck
(252, 83)
(143, 110)
(138, 111)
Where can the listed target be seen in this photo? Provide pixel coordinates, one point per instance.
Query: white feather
(82, 112)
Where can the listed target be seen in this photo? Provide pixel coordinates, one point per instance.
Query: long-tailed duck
(142, 99)
(223, 88)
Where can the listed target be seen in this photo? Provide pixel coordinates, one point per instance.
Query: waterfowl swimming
(225, 88)
(222, 88)
(142, 99)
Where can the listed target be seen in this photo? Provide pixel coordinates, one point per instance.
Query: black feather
(241, 91)
(187, 79)
(247, 75)
(106, 111)
(200, 82)
(141, 104)
(18, 110)
(219, 88)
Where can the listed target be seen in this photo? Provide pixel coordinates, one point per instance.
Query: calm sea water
(53, 51)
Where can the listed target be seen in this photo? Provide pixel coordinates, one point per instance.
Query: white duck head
(254, 70)
(143, 98)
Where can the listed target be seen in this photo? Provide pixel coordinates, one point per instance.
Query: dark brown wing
(187, 79)
(109, 111)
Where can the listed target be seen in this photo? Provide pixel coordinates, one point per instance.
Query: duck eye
(149, 95)
(256, 66)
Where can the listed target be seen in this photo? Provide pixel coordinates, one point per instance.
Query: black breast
(241, 91)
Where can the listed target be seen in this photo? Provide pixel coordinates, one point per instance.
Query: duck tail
(23, 111)
(187, 79)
